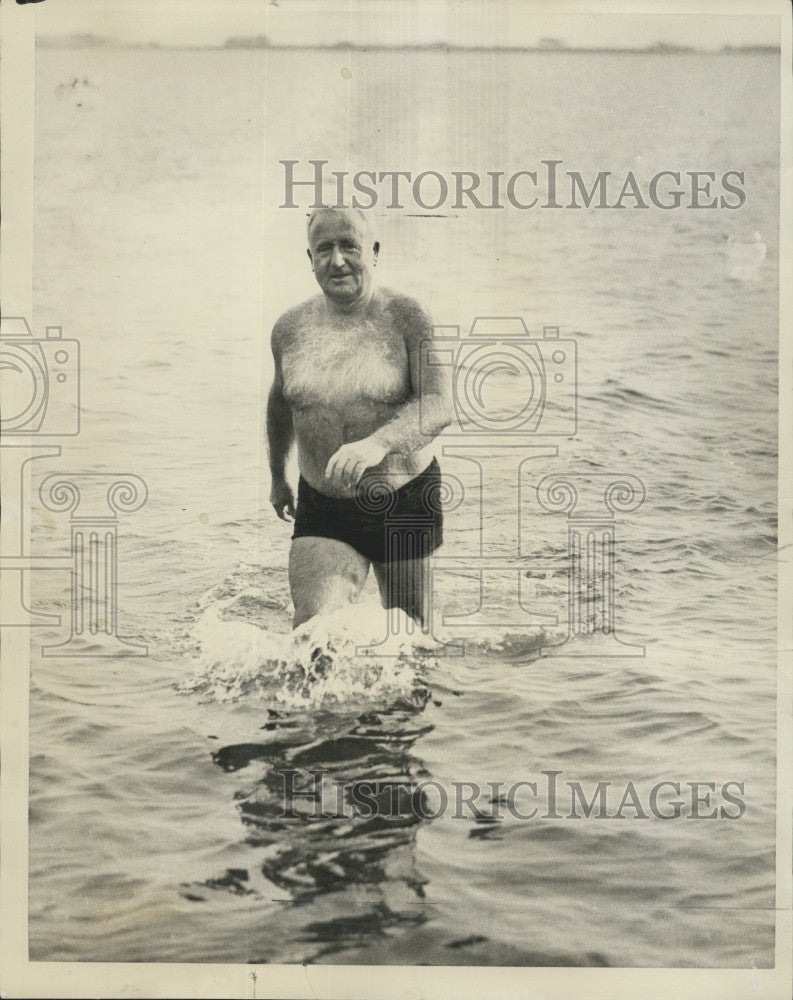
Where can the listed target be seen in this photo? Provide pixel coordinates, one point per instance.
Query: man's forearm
(415, 425)
(280, 434)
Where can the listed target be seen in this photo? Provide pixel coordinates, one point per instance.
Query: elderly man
(352, 389)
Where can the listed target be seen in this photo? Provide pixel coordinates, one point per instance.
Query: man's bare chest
(336, 366)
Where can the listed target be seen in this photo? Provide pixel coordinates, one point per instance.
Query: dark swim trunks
(382, 524)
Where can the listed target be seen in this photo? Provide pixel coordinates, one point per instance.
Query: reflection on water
(331, 815)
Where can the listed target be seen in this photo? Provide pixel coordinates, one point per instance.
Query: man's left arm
(418, 421)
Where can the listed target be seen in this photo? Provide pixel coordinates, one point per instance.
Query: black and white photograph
(395, 579)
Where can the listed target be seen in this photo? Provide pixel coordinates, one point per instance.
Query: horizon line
(256, 43)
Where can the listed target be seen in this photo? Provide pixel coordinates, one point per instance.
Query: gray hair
(363, 217)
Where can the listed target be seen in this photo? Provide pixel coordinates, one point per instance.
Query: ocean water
(156, 782)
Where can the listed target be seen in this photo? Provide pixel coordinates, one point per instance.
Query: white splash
(358, 653)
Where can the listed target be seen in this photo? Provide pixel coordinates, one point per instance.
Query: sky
(416, 22)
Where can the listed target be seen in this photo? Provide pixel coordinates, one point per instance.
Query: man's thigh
(405, 584)
(324, 574)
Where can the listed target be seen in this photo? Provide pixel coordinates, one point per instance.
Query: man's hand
(283, 500)
(345, 468)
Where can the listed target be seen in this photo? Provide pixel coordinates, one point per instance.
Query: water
(155, 793)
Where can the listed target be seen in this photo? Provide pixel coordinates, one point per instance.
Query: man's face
(341, 256)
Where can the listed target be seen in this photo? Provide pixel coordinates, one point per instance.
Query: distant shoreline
(259, 44)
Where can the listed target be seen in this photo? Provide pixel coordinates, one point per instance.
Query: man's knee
(310, 600)
(303, 613)
(323, 574)
(316, 602)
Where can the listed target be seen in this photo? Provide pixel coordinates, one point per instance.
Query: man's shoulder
(290, 321)
(405, 309)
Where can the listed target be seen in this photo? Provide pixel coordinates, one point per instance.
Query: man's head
(343, 253)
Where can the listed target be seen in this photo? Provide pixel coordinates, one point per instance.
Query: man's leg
(324, 574)
(406, 584)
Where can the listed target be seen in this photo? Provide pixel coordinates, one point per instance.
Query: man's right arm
(280, 436)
